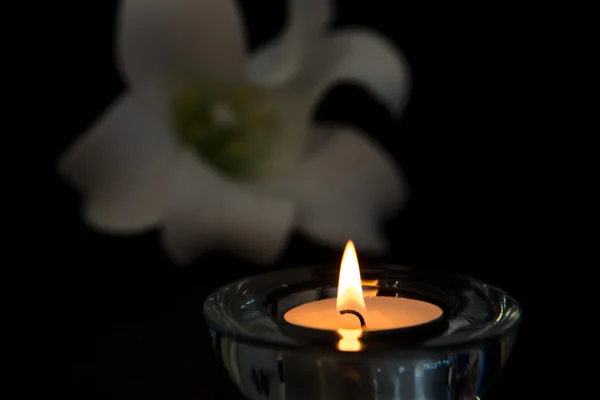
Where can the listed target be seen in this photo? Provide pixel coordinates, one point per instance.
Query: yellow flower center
(232, 131)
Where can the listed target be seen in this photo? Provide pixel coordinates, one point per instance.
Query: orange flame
(350, 296)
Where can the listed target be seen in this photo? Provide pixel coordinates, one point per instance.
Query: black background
(98, 317)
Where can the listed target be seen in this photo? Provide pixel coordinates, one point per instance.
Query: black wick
(360, 317)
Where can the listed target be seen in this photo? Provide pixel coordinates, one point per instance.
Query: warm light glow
(354, 311)
(370, 282)
(349, 339)
(370, 292)
(350, 295)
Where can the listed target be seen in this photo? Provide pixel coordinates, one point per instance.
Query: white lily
(217, 149)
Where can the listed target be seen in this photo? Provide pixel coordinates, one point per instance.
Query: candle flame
(350, 295)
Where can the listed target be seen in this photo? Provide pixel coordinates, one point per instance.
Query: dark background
(97, 317)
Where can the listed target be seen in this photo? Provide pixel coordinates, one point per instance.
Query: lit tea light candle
(351, 312)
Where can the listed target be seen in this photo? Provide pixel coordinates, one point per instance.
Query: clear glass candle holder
(457, 356)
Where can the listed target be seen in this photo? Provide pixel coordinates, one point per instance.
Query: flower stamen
(231, 132)
(223, 115)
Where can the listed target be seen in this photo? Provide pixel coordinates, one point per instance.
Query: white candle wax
(380, 313)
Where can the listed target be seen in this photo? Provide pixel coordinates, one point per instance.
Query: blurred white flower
(217, 149)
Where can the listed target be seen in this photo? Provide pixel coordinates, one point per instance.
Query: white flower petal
(119, 166)
(205, 211)
(361, 56)
(310, 16)
(293, 114)
(279, 60)
(344, 189)
(164, 40)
